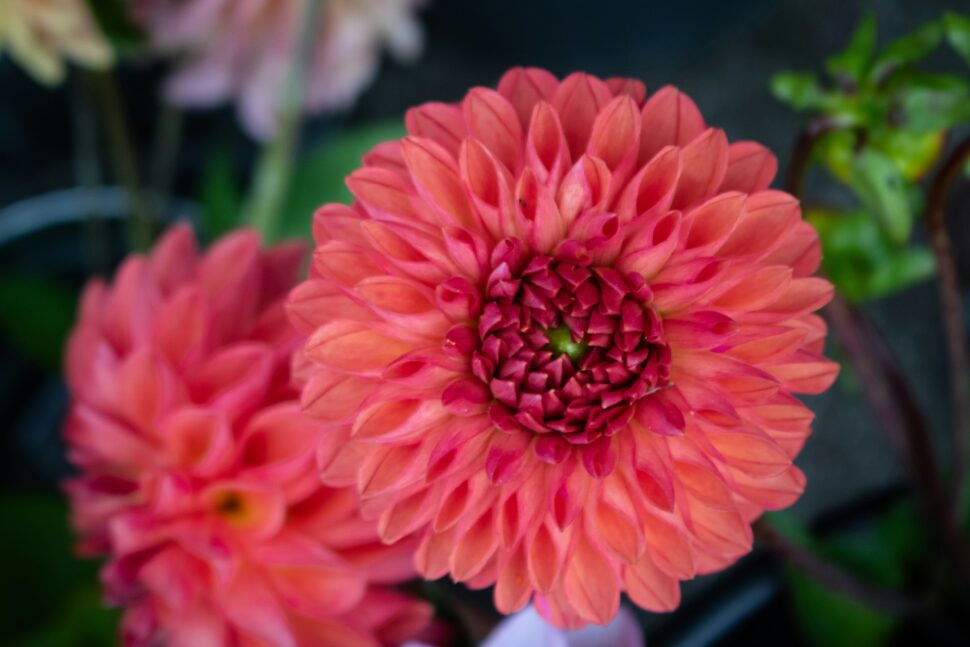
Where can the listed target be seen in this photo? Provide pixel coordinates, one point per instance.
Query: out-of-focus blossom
(42, 35)
(197, 476)
(558, 336)
(526, 628)
(241, 50)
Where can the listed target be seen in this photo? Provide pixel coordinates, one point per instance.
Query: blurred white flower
(240, 50)
(42, 34)
(527, 629)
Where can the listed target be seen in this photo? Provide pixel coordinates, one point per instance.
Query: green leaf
(904, 267)
(836, 150)
(220, 195)
(880, 185)
(827, 618)
(915, 78)
(800, 90)
(830, 619)
(45, 591)
(83, 622)
(908, 49)
(853, 62)
(902, 530)
(914, 153)
(860, 259)
(928, 110)
(319, 177)
(789, 526)
(958, 33)
(888, 552)
(852, 246)
(36, 316)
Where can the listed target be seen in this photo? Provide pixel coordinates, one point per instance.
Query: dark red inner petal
(565, 347)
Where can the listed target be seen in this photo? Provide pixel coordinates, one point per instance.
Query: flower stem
(87, 174)
(802, 154)
(168, 137)
(141, 218)
(951, 306)
(275, 165)
(888, 395)
(892, 400)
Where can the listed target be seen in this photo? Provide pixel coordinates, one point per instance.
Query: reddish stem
(802, 154)
(951, 306)
(832, 577)
(887, 391)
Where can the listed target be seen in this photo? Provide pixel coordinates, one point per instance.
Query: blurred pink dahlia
(240, 51)
(557, 336)
(197, 475)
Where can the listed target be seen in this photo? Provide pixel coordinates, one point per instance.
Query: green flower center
(561, 342)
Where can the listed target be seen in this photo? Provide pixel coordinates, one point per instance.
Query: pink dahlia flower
(197, 475)
(240, 51)
(558, 336)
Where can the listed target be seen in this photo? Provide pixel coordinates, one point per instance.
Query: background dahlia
(557, 336)
(197, 473)
(41, 35)
(240, 51)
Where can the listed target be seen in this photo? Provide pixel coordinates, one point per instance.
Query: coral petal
(492, 120)
(616, 133)
(436, 176)
(578, 99)
(753, 454)
(318, 589)
(544, 559)
(526, 86)
(349, 346)
(591, 583)
(440, 122)
(704, 165)
(669, 118)
(651, 588)
(512, 590)
(474, 548)
(750, 168)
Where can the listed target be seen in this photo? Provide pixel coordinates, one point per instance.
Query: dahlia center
(561, 342)
(230, 504)
(565, 346)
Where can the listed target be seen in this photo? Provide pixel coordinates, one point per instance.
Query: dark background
(721, 52)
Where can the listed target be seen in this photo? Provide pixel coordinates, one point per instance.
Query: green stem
(87, 174)
(168, 137)
(275, 165)
(140, 219)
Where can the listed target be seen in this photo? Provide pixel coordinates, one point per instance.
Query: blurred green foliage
(319, 178)
(862, 259)
(48, 597)
(888, 551)
(219, 194)
(321, 173)
(113, 17)
(882, 124)
(41, 335)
